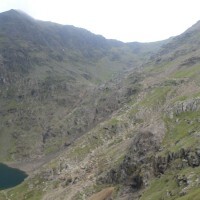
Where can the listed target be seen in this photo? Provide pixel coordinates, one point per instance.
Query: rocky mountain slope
(50, 76)
(132, 135)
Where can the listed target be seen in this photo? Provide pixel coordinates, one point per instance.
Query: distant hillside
(48, 71)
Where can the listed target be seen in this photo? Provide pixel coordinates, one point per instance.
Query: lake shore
(30, 166)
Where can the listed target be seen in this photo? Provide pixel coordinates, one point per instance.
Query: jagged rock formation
(187, 158)
(189, 105)
(130, 172)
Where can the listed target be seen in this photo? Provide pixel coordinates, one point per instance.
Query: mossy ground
(167, 188)
(182, 131)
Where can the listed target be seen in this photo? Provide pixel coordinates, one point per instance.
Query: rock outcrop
(141, 163)
(136, 167)
(187, 157)
(183, 106)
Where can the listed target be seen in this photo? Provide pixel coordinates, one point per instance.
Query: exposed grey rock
(193, 159)
(183, 106)
(181, 180)
(138, 167)
(131, 172)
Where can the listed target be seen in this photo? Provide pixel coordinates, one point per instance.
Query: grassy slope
(182, 129)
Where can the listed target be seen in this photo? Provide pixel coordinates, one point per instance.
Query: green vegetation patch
(156, 97)
(167, 187)
(182, 131)
(31, 189)
(187, 72)
(193, 195)
(159, 187)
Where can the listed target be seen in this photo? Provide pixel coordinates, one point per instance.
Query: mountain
(48, 72)
(90, 118)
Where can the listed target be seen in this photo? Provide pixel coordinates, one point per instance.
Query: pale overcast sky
(125, 20)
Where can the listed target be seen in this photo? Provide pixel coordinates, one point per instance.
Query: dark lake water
(10, 177)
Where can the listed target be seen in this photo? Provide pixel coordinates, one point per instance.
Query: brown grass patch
(104, 194)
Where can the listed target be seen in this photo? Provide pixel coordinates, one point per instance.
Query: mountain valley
(91, 118)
